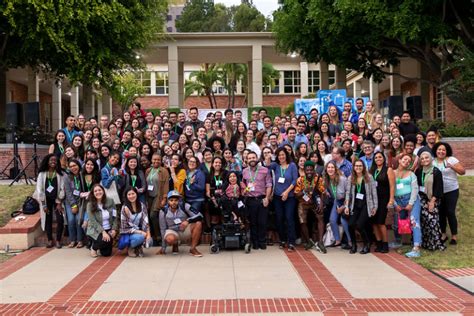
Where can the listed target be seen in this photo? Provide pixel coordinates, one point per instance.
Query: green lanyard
(334, 190)
(88, 185)
(359, 187)
(312, 183)
(252, 178)
(376, 173)
(125, 147)
(50, 180)
(235, 191)
(218, 181)
(153, 171)
(423, 175)
(77, 183)
(134, 180)
(282, 172)
(61, 149)
(189, 177)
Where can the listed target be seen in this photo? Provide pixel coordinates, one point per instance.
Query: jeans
(447, 212)
(51, 205)
(197, 205)
(285, 210)
(258, 215)
(334, 226)
(73, 224)
(136, 240)
(415, 214)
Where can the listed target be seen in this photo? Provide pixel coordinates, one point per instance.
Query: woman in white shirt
(250, 143)
(450, 168)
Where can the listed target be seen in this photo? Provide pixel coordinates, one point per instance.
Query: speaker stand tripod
(34, 159)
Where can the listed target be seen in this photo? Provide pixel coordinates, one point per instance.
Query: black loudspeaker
(414, 107)
(395, 106)
(14, 114)
(31, 114)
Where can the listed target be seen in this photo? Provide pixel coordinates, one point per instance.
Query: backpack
(30, 206)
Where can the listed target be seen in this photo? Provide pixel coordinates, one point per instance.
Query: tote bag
(112, 193)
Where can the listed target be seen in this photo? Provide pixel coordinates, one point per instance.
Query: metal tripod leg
(22, 172)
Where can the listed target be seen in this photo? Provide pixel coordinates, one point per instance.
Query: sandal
(80, 245)
(72, 244)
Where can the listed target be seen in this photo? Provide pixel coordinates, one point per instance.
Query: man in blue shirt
(300, 136)
(368, 158)
(70, 130)
(290, 138)
(341, 162)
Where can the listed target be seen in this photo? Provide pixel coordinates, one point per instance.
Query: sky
(264, 6)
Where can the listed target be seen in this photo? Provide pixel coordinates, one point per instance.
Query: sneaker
(132, 252)
(453, 242)
(291, 248)
(50, 244)
(346, 247)
(175, 250)
(413, 254)
(282, 245)
(58, 245)
(262, 246)
(93, 253)
(139, 252)
(298, 241)
(269, 242)
(80, 244)
(72, 244)
(394, 244)
(195, 253)
(320, 247)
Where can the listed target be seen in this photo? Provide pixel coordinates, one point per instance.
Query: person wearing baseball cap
(179, 222)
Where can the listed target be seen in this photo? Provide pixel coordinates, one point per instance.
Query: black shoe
(384, 247)
(291, 248)
(453, 242)
(346, 247)
(262, 246)
(365, 250)
(353, 249)
(282, 245)
(378, 248)
(269, 242)
(255, 246)
(445, 239)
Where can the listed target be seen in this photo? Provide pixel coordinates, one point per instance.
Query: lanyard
(125, 147)
(153, 171)
(77, 183)
(50, 180)
(376, 173)
(70, 134)
(218, 181)
(252, 178)
(134, 180)
(359, 186)
(334, 190)
(235, 191)
(423, 175)
(312, 183)
(282, 171)
(88, 184)
(61, 149)
(189, 177)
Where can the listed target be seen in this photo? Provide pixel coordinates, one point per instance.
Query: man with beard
(258, 189)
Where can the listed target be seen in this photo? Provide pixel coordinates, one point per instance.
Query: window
(439, 105)
(161, 82)
(169, 17)
(276, 87)
(313, 81)
(169, 29)
(144, 78)
(332, 77)
(292, 81)
(178, 16)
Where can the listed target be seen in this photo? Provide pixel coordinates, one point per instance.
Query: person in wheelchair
(231, 201)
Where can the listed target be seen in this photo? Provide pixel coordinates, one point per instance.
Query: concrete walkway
(68, 281)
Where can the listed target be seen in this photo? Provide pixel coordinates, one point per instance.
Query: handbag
(124, 241)
(112, 193)
(404, 223)
(30, 206)
(328, 238)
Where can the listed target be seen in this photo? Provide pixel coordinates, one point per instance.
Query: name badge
(422, 189)
(240, 204)
(50, 189)
(306, 198)
(399, 186)
(76, 193)
(218, 183)
(177, 221)
(251, 187)
(187, 187)
(376, 184)
(281, 180)
(359, 196)
(150, 187)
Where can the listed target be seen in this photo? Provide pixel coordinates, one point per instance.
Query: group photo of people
(348, 179)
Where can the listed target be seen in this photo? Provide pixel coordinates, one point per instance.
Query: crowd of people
(142, 180)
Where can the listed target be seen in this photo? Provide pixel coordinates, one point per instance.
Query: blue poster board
(324, 99)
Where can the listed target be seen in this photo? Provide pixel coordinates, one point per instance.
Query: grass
(461, 255)
(11, 198)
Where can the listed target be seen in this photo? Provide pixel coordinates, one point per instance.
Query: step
(21, 234)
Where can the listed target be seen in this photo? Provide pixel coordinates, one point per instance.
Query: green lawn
(461, 255)
(11, 198)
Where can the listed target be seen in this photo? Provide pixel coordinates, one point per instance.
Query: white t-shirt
(106, 217)
(450, 177)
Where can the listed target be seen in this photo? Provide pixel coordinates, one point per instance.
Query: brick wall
(463, 149)
(25, 152)
(410, 86)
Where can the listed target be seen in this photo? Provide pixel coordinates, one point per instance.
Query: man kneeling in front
(179, 223)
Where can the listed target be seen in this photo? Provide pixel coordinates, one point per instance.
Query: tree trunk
(214, 99)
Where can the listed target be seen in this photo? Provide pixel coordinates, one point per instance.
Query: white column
(33, 86)
(374, 92)
(281, 83)
(152, 82)
(304, 79)
(181, 84)
(395, 86)
(239, 87)
(340, 78)
(357, 89)
(89, 101)
(173, 80)
(257, 81)
(249, 84)
(56, 107)
(323, 75)
(106, 104)
(75, 100)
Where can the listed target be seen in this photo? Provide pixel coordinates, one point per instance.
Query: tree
(197, 16)
(247, 18)
(229, 75)
(127, 89)
(202, 82)
(368, 36)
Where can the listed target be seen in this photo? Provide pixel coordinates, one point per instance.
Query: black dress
(383, 195)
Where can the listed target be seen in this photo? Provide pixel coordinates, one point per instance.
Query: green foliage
(290, 108)
(87, 41)
(465, 129)
(201, 82)
(367, 36)
(205, 16)
(271, 110)
(126, 89)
